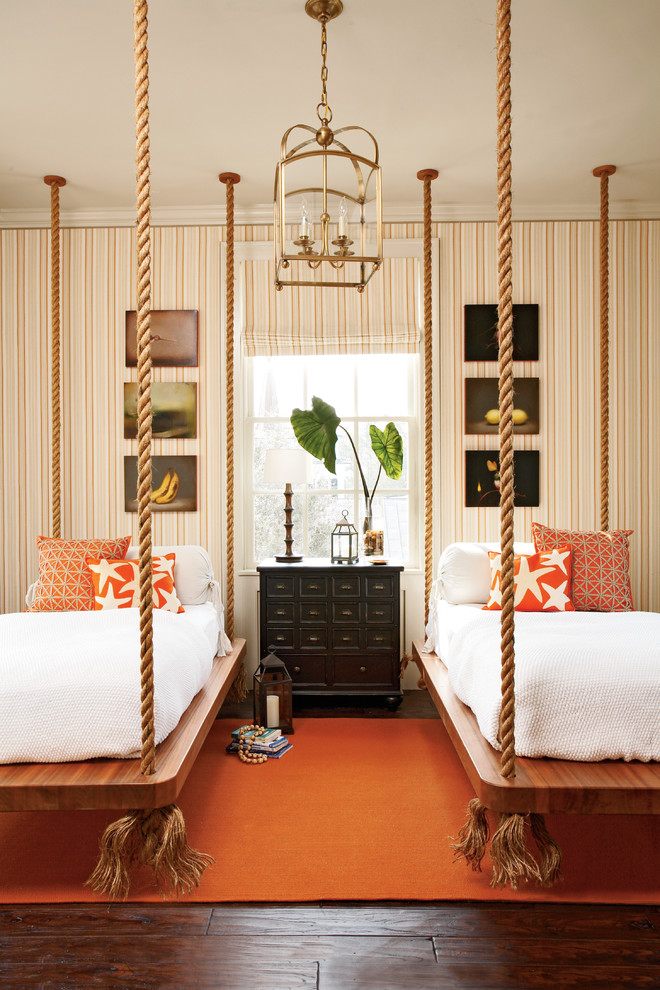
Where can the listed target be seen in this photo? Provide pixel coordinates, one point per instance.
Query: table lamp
(286, 467)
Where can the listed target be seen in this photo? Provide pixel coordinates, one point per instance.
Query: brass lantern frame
(354, 261)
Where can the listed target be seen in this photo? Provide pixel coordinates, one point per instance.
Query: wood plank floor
(330, 946)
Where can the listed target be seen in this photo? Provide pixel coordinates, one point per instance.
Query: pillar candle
(272, 711)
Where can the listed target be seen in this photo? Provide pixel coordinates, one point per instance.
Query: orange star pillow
(116, 583)
(541, 581)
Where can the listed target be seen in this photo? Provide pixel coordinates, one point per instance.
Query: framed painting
(482, 477)
(173, 483)
(481, 405)
(480, 331)
(173, 410)
(173, 338)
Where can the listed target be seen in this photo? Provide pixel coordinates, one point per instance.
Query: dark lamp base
(288, 559)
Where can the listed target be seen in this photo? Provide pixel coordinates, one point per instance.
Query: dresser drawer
(343, 612)
(346, 586)
(306, 670)
(379, 638)
(313, 587)
(315, 639)
(278, 613)
(280, 638)
(313, 612)
(379, 586)
(372, 671)
(380, 612)
(345, 638)
(280, 586)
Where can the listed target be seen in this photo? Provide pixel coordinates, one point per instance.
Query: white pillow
(193, 571)
(464, 571)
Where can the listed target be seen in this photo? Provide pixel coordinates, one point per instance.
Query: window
(364, 389)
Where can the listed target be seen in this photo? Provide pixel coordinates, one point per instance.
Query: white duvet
(587, 684)
(70, 681)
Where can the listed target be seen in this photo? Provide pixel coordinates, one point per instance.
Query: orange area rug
(358, 809)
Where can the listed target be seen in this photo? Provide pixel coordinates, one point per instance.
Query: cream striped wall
(555, 265)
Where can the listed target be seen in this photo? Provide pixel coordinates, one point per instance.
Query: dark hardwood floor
(330, 946)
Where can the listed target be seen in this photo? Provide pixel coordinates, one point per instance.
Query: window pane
(277, 385)
(330, 377)
(323, 514)
(269, 436)
(382, 385)
(269, 531)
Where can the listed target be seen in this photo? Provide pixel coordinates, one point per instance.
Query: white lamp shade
(285, 467)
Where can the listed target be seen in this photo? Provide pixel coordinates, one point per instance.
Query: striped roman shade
(385, 318)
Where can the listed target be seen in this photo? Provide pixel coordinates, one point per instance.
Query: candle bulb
(341, 225)
(304, 224)
(272, 711)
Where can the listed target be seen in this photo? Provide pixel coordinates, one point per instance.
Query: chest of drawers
(335, 626)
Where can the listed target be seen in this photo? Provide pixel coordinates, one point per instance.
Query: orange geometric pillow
(64, 583)
(601, 566)
(541, 581)
(116, 583)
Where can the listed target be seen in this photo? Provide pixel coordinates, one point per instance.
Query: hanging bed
(482, 683)
(71, 694)
(172, 715)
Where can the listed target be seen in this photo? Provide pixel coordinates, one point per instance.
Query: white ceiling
(228, 77)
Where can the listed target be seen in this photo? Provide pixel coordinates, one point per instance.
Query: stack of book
(271, 742)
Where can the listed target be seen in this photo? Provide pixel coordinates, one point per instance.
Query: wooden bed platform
(119, 783)
(540, 785)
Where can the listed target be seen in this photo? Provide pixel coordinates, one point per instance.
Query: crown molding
(214, 215)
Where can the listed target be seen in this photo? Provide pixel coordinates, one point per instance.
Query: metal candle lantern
(344, 542)
(273, 695)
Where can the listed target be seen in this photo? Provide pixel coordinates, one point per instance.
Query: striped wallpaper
(555, 265)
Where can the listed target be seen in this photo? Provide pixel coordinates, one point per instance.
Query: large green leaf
(388, 448)
(316, 431)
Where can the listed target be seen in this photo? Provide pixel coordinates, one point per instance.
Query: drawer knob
(345, 587)
(313, 639)
(346, 639)
(363, 670)
(379, 587)
(313, 587)
(346, 611)
(379, 639)
(280, 639)
(296, 670)
(379, 612)
(281, 587)
(313, 611)
(280, 611)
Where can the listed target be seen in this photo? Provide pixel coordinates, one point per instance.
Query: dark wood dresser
(335, 626)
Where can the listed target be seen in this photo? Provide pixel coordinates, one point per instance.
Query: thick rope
(55, 181)
(603, 172)
(505, 335)
(427, 175)
(148, 764)
(229, 178)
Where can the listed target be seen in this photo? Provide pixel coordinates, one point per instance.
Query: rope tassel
(549, 851)
(152, 838)
(473, 836)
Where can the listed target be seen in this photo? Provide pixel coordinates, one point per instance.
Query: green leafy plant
(316, 432)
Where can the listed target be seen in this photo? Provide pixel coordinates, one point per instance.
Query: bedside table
(335, 626)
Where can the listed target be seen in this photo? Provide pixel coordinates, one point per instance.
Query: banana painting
(166, 491)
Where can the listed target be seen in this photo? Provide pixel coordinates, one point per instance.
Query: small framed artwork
(173, 483)
(173, 410)
(480, 330)
(173, 338)
(482, 477)
(481, 405)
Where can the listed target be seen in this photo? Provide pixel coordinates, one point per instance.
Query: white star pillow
(116, 583)
(541, 581)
